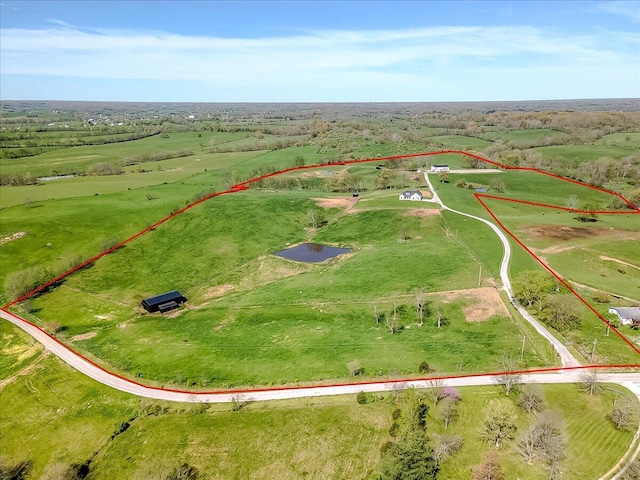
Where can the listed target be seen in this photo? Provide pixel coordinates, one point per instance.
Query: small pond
(311, 252)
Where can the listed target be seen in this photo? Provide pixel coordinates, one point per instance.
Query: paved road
(630, 380)
(568, 360)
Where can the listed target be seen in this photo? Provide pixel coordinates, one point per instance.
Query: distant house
(163, 303)
(439, 168)
(415, 195)
(627, 315)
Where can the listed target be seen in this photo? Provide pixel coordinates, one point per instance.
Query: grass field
(256, 319)
(279, 321)
(70, 419)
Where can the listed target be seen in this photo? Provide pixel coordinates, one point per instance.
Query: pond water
(311, 252)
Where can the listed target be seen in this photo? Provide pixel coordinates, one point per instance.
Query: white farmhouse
(415, 195)
(627, 315)
(439, 168)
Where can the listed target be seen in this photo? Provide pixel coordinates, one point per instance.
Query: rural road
(568, 360)
(629, 380)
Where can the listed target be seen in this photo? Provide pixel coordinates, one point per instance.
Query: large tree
(562, 312)
(624, 414)
(489, 469)
(546, 438)
(411, 457)
(499, 422)
(531, 287)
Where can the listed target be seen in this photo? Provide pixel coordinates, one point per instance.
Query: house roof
(440, 165)
(411, 192)
(164, 298)
(629, 313)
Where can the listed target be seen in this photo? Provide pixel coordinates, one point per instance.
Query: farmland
(253, 319)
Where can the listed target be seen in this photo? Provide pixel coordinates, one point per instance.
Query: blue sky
(318, 51)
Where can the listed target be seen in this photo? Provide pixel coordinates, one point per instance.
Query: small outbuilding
(163, 303)
(439, 168)
(627, 315)
(415, 195)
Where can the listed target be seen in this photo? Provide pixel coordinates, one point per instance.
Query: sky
(318, 51)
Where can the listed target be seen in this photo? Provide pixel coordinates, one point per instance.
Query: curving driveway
(568, 360)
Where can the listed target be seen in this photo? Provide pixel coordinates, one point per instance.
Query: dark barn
(163, 303)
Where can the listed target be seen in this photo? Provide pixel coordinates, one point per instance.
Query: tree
(440, 318)
(531, 400)
(489, 469)
(545, 438)
(587, 213)
(510, 381)
(315, 217)
(497, 184)
(384, 178)
(531, 287)
(422, 307)
(299, 161)
(447, 446)
(424, 367)
(354, 368)
(590, 382)
(410, 457)
(394, 324)
(448, 411)
(634, 198)
(435, 389)
(499, 422)
(17, 472)
(443, 177)
(562, 312)
(183, 472)
(624, 414)
(573, 202)
(632, 471)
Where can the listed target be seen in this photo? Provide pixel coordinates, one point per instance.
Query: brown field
(483, 303)
(565, 233)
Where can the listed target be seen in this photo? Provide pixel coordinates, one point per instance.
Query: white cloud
(627, 8)
(374, 63)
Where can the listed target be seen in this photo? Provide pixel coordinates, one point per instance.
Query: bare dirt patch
(84, 336)
(337, 202)
(610, 259)
(558, 249)
(561, 232)
(11, 237)
(422, 212)
(565, 233)
(218, 291)
(482, 303)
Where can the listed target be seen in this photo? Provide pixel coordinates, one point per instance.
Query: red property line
(245, 185)
(325, 385)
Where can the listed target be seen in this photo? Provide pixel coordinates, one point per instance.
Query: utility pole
(524, 339)
(480, 276)
(593, 351)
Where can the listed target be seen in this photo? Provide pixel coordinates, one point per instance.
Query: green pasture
(576, 154)
(631, 139)
(70, 160)
(69, 418)
(524, 137)
(56, 231)
(460, 142)
(228, 241)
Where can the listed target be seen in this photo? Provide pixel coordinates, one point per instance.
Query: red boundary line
(245, 185)
(326, 385)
